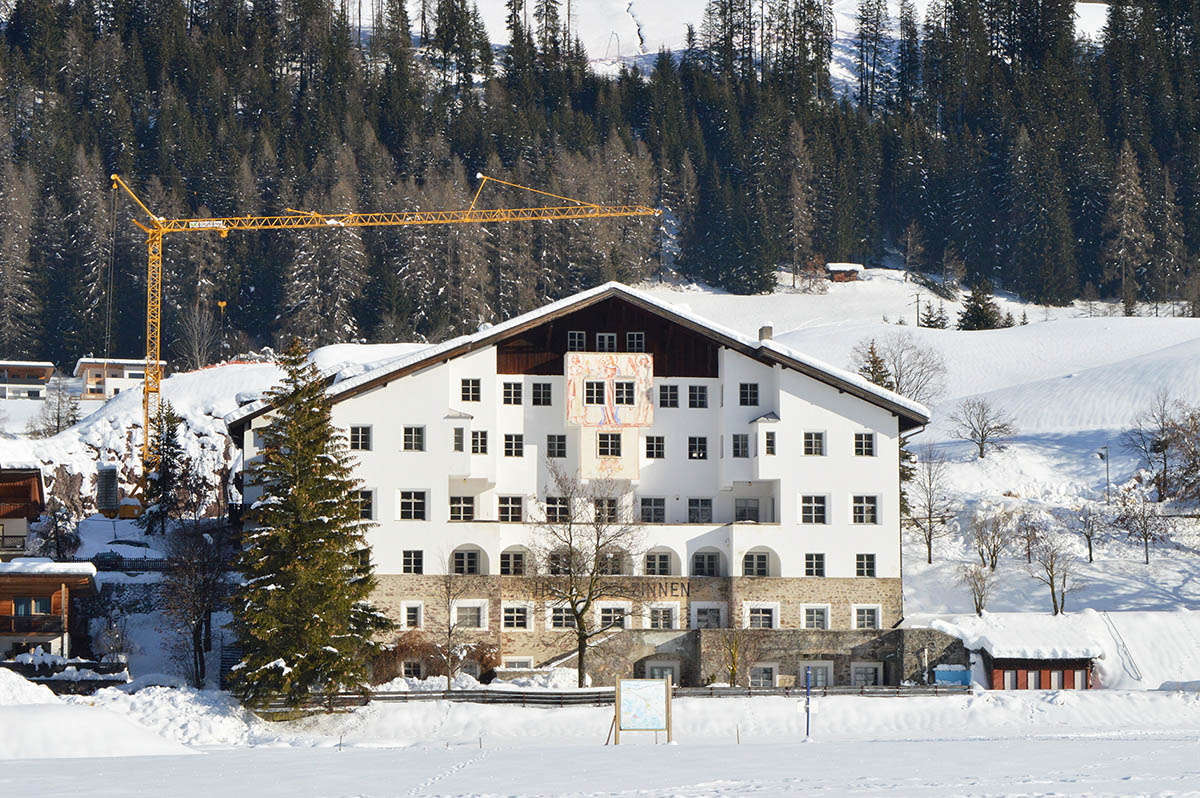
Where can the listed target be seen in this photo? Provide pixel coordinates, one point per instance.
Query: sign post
(642, 705)
(807, 699)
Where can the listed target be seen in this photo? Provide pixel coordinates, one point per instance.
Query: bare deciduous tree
(979, 580)
(1090, 522)
(991, 534)
(915, 371)
(57, 536)
(1029, 528)
(199, 338)
(191, 590)
(451, 647)
(1186, 440)
(1140, 518)
(930, 506)
(1054, 566)
(59, 410)
(585, 553)
(739, 649)
(982, 424)
(1152, 440)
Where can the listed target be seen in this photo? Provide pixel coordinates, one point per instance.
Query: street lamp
(1103, 455)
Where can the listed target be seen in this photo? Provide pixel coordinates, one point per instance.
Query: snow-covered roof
(1026, 635)
(770, 349)
(112, 361)
(43, 566)
(29, 364)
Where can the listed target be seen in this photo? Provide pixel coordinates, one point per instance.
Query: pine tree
(800, 219)
(1128, 238)
(980, 311)
(1169, 256)
(302, 614)
(935, 319)
(163, 480)
(19, 302)
(873, 367)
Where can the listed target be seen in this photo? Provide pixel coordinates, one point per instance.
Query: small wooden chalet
(1018, 673)
(1030, 651)
(22, 500)
(35, 604)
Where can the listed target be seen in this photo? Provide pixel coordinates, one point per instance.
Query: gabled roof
(912, 414)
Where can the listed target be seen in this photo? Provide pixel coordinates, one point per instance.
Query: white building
(767, 481)
(24, 379)
(105, 378)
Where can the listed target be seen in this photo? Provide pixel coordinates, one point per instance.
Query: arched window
(708, 562)
(760, 561)
(468, 561)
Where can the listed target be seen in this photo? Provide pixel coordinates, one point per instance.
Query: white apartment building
(104, 378)
(767, 482)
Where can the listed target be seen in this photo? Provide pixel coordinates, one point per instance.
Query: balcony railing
(19, 509)
(12, 543)
(31, 624)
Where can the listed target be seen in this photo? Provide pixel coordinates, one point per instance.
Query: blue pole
(807, 699)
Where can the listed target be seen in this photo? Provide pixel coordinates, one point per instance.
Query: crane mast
(158, 227)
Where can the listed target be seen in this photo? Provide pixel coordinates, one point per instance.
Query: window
(36, 605)
(741, 444)
(662, 618)
(812, 509)
(558, 510)
(468, 617)
(697, 448)
(658, 564)
(819, 673)
(366, 504)
(697, 396)
(756, 563)
(769, 444)
(414, 439)
(814, 564)
(612, 617)
(668, 396)
(360, 438)
(865, 510)
(816, 617)
(556, 445)
(606, 342)
(608, 444)
(866, 674)
(412, 616)
(654, 511)
(748, 394)
(814, 443)
(466, 562)
(561, 618)
(706, 563)
(512, 563)
(745, 510)
(700, 511)
(524, 663)
(605, 510)
(459, 444)
(412, 669)
(623, 392)
(462, 508)
(558, 563)
(656, 447)
(470, 390)
(516, 617)
(864, 565)
(864, 444)
(866, 617)
(512, 393)
(470, 667)
(514, 445)
(478, 441)
(662, 670)
(413, 562)
(593, 392)
(635, 342)
(576, 340)
(762, 618)
(412, 505)
(510, 508)
(762, 676)
(708, 618)
(612, 564)
(541, 394)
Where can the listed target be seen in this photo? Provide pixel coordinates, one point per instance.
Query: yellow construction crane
(158, 227)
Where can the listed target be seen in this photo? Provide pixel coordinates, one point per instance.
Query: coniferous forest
(985, 138)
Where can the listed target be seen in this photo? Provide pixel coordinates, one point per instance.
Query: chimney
(765, 332)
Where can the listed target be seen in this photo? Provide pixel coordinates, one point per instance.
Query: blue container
(941, 676)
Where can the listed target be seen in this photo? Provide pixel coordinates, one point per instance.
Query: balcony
(31, 625)
(11, 509)
(12, 543)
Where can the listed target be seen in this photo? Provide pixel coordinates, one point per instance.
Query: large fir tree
(302, 614)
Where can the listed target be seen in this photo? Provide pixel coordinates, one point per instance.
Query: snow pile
(44, 566)
(36, 724)
(403, 684)
(1132, 650)
(548, 679)
(16, 690)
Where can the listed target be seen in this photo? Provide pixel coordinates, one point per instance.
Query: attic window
(576, 341)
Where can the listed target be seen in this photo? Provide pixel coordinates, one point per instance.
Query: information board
(643, 705)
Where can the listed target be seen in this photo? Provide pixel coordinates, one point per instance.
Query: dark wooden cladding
(678, 351)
